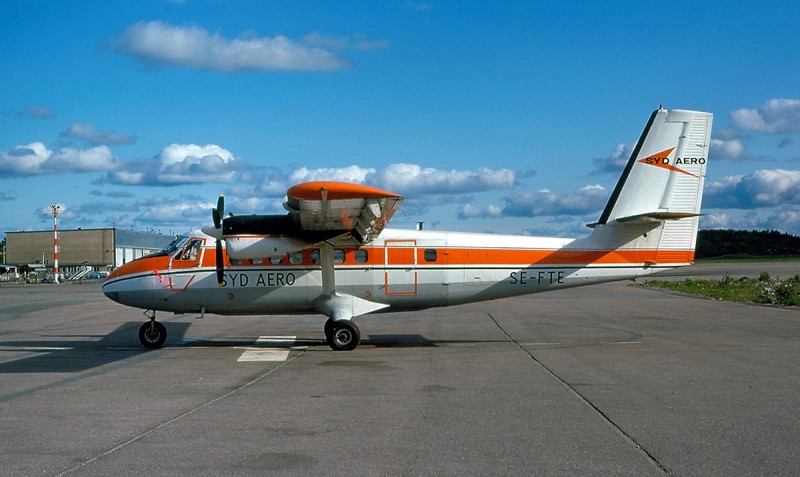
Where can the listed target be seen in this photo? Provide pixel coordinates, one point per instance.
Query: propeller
(216, 216)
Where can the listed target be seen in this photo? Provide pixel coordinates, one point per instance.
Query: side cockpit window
(191, 251)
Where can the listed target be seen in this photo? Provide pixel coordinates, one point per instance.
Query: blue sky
(510, 117)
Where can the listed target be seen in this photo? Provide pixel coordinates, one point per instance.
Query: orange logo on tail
(661, 159)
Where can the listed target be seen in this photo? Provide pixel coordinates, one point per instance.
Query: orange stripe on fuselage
(141, 265)
(445, 256)
(560, 257)
(486, 256)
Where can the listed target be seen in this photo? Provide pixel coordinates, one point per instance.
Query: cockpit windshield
(175, 244)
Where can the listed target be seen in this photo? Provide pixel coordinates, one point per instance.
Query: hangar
(80, 251)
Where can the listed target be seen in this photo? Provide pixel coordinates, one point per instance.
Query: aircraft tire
(344, 335)
(152, 338)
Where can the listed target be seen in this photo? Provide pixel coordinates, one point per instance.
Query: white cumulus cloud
(194, 47)
(774, 116)
(543, 202)
(727, 148)
(180, 164)
(342, 174)
(762, 188)
(37, 159)
(415, 179)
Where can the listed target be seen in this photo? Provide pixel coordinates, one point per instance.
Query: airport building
(80, 251)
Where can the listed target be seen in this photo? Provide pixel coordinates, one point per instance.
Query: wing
(360, 212)
(324, 214)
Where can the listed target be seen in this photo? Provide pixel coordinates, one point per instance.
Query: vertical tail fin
(665, 173)
(661, 188)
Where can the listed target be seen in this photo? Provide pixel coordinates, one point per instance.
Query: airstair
(80, 273)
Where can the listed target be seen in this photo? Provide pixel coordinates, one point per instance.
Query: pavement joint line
(587, 402)
(175, 419)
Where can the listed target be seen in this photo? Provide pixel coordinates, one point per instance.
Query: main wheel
(152, 335)
(342, 335)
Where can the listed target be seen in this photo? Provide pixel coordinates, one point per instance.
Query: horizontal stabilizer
(658, 216)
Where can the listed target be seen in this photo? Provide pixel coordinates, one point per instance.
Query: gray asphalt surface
(607, 380)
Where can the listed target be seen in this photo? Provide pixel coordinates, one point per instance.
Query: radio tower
(55, 208)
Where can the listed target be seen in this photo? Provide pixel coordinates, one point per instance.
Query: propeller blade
(220, 265)
(219, 212)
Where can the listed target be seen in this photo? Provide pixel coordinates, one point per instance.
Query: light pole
(55, 208)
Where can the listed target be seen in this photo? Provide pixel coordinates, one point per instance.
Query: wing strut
(328, 273)
(334, 305)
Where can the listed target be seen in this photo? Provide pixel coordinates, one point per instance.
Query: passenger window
(256, 261)
(338, 256)
(361, 256)
(430, 255)
(296, 258)
(315, 256)
(276, 259)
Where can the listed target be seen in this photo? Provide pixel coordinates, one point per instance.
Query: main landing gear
(342, 335)
(152, 334)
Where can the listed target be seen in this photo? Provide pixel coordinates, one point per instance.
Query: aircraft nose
(109, 292)
(112, 295)
(109, 287)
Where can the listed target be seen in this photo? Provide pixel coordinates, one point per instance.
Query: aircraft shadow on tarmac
(74, 354)
(80, 353)
(376, 341)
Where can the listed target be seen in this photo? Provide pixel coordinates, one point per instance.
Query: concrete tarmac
(613, 379)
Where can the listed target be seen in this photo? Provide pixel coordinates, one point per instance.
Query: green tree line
(755, 243)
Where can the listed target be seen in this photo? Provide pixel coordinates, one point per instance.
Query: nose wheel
(152, 334)
(342, 335)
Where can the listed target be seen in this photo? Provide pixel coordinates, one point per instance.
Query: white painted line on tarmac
(269, 354)
(35, 349)
(276, 340)
(264, 354)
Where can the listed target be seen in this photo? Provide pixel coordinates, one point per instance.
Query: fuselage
(404, 269)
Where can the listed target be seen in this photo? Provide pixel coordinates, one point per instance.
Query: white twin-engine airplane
(332, 255)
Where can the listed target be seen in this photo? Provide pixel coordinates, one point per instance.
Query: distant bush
(788, 292)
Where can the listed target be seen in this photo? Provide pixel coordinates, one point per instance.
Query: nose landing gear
(152, 334)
